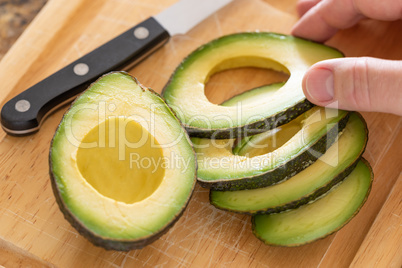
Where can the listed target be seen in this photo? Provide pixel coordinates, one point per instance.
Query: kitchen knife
(24, 113)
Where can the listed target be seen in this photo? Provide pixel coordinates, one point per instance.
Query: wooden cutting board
(33, 231)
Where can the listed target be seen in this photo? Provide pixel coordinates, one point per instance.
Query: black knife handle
(24, 113)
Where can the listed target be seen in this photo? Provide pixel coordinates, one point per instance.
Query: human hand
(364, 84)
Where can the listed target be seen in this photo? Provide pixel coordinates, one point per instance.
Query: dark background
(15, 16)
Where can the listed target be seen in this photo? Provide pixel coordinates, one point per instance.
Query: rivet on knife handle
(24, 113)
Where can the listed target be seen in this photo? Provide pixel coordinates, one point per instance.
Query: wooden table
(32, 229)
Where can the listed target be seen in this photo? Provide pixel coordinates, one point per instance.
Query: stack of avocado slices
(296, 168)
(294, 207)
(295, 195)
(123, 167)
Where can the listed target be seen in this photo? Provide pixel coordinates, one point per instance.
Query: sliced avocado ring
(185, 89)
(320, 218)
(110, 164)
(266, 141)
(220, 169)
(252, 95)
(331, 168)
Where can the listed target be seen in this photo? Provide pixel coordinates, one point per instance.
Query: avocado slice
(112, 164)
(220, 169)
(185, 89)
(320, 218)
(253, 95)
(331, 168)
(267, 141)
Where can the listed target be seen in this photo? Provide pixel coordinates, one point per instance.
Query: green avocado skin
(300, 202)
(105, 243)
(365, 162)
(283, 172)
(255, 128)
(314, 195)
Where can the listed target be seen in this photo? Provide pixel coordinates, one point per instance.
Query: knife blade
(25, 113)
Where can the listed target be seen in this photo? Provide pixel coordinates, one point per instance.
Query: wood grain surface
(33, 228)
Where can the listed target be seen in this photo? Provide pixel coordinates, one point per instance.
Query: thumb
(359, 84)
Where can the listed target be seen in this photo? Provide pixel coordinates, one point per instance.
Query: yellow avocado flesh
(253, 95)
(269, 141)
(123, 162)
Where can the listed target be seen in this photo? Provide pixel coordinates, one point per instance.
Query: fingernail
(320, 85)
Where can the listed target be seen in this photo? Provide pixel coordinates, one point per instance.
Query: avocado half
(330, 169)
(185, 89)
(122, 166)
(301, 142)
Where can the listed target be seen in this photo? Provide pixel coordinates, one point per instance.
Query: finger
(388, 10)
(323, 20)
(358, 84)
(305, 5)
